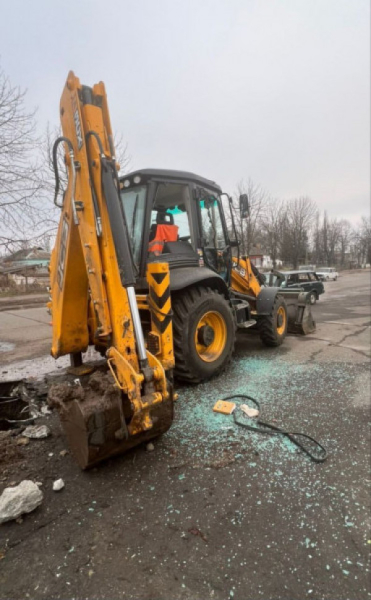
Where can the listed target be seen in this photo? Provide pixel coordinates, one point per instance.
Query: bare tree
(249, 230)
(300, 215)
(272, 223)
(19, 174)
(330, 238)
(317, 251)
(122, 155)
(345, 237)
(362, 241)
(366, 237)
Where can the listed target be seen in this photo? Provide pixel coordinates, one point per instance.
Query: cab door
(213, 232)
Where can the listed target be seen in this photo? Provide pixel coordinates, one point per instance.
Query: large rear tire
(273, 327)
(204, 334)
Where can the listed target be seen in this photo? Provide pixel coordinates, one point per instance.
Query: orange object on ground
(226, 408)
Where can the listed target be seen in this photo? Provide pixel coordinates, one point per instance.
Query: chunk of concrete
(15, 501)
(249, 412)
(58, 485)
(36, 432)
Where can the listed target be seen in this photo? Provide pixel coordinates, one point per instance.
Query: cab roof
(173, 175)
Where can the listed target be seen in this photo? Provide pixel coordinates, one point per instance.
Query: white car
(327, 274)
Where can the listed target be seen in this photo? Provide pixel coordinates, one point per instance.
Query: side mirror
(244, 206)
(234, 243)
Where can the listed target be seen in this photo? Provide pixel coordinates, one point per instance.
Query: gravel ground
(215, 511)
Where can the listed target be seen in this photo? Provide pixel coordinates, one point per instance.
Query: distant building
(261, 259)
(25, 269)
(27, 258)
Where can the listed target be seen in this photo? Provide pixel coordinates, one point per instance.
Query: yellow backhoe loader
(144, 269)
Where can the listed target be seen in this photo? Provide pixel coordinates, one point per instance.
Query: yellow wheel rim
(281, 320)
(210, 336)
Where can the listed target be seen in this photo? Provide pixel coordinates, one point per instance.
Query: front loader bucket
(90, 417)
(300, 318)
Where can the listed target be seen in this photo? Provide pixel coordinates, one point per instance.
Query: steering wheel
(184, 238)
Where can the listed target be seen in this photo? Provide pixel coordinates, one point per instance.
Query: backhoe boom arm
(92, 273)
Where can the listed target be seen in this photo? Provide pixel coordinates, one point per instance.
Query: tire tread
(183, 304)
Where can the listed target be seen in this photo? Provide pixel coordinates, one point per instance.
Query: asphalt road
(214, 511)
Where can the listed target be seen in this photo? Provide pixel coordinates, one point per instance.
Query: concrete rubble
(249, 412)
(58, 485)
(15, 501)
(36, 431)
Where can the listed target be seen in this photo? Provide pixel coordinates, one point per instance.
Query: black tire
(189, 306)
(313, 298)
(270, 327)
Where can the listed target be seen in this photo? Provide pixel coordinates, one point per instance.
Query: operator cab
(177, 217)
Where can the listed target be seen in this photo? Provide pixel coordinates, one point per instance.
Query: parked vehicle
(327, 273)
(306, 280)
(307, 267)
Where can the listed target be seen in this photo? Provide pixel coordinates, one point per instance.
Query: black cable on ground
(273, 430)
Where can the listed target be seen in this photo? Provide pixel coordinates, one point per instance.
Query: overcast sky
(278, 91)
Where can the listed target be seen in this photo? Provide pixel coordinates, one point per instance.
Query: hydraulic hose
(121, 241)
(274, 430)
(57, 178)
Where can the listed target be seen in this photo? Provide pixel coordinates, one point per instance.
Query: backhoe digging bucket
(300, 318)
(90, 417)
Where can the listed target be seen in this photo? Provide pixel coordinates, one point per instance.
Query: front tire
(273, 327)
(204, 334)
